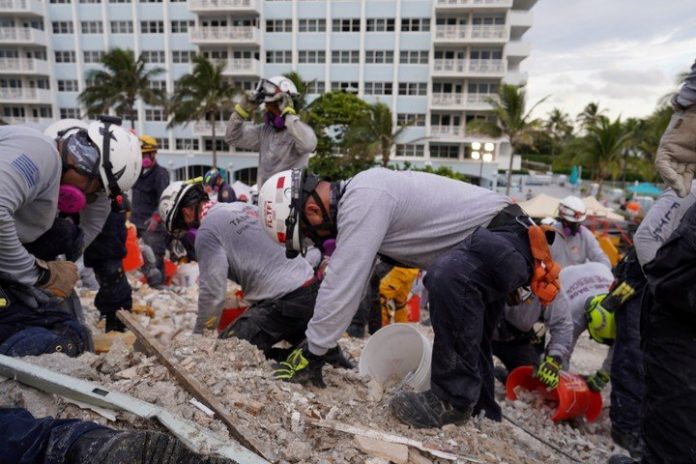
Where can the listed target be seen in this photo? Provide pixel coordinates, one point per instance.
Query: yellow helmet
(601, 323)
(148, 144)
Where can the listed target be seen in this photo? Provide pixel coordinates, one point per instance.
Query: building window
(150, 1)
(187, 144)
(220, 145)
(409, 150)
(346, 25)
(279, 25)
(279, 56)
(345, 56)
(413, 88)
(245, 85)
(155, 114)
(67, 85)
(182, 56)
(119, 1)
(61, 1)
(121, 27)
(379, 56)
(415, 24)
(444, 151)
(485, 88)
(403, 119)
(153, 56)
(345, 86)
(312, 25)
(316, 87)
(65, 56)
(90, 1)
(181, 27)
(70, 113)
(215, 54)
(312, 56)
(162, 144)
(62, 27)
(380, 25)
(489, 19)
(157, 85)
(378, 88)
(486, 53)
(413, 57)
(152, 27)
(92, 27)
(93, 56)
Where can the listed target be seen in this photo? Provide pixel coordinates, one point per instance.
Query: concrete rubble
(280, 416)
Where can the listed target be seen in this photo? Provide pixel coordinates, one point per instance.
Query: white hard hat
(280, 205)
(172, 198)
(58, 128)
(275, 87)
(572, 209)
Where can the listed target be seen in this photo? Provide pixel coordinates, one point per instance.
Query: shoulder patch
(27, 169)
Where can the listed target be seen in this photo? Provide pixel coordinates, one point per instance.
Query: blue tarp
(646, 189)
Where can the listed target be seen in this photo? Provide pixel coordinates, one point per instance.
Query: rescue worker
(394, 290)
(475, 257)
(574, 243)
(230, 243)
(26, 439)
(146, 194)
(39, 176)
(282, 140)
(214, 182)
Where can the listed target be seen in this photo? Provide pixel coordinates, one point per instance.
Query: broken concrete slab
(393, 452)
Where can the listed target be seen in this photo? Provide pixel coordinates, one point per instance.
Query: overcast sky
(624, 54)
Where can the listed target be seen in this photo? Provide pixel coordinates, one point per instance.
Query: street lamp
(230, 177)
(486, 157)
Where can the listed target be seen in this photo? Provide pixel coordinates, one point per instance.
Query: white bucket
(398, 352)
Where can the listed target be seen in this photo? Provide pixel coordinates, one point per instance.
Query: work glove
(286, 105)
(549, 371)
(247, 105)
(301, 366)
(676, 155)
(597, 381)
(57, 277)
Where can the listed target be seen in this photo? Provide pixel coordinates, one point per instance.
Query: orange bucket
(228, 316)
(572, 396)
(169, 271)
(414, 308)
(134, 258)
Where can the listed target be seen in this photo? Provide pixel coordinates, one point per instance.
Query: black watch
(44, 272)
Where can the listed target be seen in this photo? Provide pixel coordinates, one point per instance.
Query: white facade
(434, 60)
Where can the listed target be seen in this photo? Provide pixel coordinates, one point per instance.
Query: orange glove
(544, 284)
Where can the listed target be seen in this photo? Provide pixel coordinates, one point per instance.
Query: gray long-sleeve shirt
(577, 249)
(278, 150)
(662, 219)
(556, 317)
(232, 244)
(687, 94)
(412, 217)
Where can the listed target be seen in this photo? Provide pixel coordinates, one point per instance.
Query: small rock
(298, 451)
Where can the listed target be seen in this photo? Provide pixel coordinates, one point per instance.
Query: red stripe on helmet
(281, 237)
(281, 182)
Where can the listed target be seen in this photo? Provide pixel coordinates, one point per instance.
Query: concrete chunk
(393, 452)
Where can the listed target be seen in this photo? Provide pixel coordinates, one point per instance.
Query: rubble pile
(280, 417)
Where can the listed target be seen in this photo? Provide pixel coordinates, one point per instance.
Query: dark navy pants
(468, 287)
(26, 440)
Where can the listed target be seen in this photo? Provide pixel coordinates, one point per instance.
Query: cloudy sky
(624, 54)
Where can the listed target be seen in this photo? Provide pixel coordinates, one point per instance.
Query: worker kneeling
(474, 244)
(231, 244)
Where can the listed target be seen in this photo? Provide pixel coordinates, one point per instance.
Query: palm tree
(302, 88)
(590, 115)
(120, 85)
(559, 128)
(512, 121)
(201, 95)
(374, 133)
(603, 147)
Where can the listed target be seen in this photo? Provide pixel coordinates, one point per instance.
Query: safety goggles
(84, 154)
(266, 88)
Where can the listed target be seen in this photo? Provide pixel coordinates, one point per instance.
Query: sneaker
(426, 410)
(620, 459)
(628, 441)
(107, 446)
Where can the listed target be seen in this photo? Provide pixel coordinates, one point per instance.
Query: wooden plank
(191, 384)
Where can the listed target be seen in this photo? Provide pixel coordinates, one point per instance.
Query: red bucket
(414, 309)
(572, 396)
(228, 316)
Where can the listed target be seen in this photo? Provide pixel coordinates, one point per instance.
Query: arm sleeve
(213, 266)
(362, 226)
(93, 217)
(593, 251)
(606, 365)
(303, 135)
(243, 134)
(560, 324)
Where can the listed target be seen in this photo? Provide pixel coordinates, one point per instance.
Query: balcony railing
(222, 5)
(455, 3)
(23, 35)
(24, 93)
(446, 130)
(459, 66)
(224, 33)
(21, 6)
(23, 65)
(27, 119)
(448, 99)
(242, 66)
(475, 32)
(481, 98)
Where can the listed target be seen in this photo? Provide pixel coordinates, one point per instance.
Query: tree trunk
(385, 156)
(509, 173)
(212, 123)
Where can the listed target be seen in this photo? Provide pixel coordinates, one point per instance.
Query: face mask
(71, 199)
(570, 228)
(274, 120)
(147, 162)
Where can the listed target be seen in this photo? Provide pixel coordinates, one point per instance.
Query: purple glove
(191, 235)
(329, 246)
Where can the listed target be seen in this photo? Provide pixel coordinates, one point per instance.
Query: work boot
(114, 324)
(337, 358)
(107, 446)
(356, 331)
(426, 410)
(620, 459)
(629, 441)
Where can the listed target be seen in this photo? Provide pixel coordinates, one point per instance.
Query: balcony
(223, 6)
(241, 67)
(480, 101)
(45, 122)
(447, 132)
(451, 6)
(24, 66)
(460, 33)
(516, 78)
(203, 128)
(22, 36)
(222, 35)
(517, 49)
(468, 68)
(24, 95)
(448, 100)
(21, 8)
